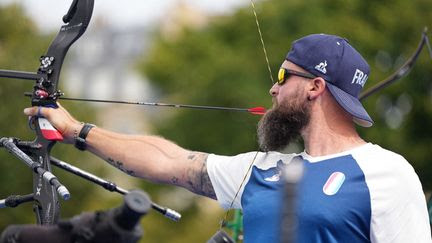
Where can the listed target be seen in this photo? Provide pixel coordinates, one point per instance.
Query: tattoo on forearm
(119, 165)
(197, 176)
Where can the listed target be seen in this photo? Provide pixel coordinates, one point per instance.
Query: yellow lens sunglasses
(284, 74)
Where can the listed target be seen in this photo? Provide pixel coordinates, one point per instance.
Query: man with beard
(351, 190)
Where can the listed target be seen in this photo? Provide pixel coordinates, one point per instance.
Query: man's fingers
(35, 111)
(32, 111)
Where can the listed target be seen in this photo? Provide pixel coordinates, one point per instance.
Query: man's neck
(320, 139)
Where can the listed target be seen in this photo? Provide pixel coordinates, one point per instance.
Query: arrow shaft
(158, 104)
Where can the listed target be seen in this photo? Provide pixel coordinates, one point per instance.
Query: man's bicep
(195, 176)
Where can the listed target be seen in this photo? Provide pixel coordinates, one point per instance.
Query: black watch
(80, 141)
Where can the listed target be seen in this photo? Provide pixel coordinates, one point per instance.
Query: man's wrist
(76, 130)
(80, 138)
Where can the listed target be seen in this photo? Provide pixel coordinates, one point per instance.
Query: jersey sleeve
(227, 174)
(399, 212)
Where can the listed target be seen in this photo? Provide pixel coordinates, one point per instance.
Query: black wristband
(80, 141)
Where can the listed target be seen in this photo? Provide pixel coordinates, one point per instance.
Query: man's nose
(274, 90)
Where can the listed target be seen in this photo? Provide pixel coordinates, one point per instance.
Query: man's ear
(317, 86)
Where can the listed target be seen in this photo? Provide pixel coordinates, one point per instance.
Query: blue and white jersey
(367, 194)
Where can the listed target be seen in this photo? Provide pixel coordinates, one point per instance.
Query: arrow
(254, 110)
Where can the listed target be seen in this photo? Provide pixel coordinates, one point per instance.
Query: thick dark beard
(282, 125)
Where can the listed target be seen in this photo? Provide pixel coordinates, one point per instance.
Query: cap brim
(352, 105)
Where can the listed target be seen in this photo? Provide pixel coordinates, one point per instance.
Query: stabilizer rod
(110, 186)
(9, 144)
(15, 200)
(19, 75)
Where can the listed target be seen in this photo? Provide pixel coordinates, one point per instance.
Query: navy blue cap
(336, 61)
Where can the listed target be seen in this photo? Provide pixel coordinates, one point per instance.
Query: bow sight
(36, 154)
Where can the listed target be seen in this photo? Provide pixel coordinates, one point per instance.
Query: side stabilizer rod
(15, 200)
(110, 186)
(9, 145)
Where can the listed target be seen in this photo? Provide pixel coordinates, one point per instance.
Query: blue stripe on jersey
(261, 204)
(342, 217)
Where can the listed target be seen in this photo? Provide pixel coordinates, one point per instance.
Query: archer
(351, 190)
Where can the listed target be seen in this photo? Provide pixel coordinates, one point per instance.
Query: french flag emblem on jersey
(334, 183)
(48, 131)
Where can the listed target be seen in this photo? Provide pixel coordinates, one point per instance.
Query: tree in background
(222, 64)
(19, 47)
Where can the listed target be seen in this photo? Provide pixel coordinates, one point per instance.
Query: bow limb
(402, 71)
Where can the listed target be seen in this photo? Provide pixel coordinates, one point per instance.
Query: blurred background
(205, 53)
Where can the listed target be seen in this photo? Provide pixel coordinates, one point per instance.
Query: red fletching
(257, 110)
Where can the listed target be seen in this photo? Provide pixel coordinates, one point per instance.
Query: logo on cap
(322, 67)
(359, 78)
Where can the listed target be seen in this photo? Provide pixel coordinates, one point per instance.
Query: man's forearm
(148, 157)
(153, 158)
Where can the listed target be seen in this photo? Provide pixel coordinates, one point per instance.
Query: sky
(120, 13)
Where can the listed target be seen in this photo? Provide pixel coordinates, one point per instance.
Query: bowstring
(262, 41)
(428, 46)
(224, 220)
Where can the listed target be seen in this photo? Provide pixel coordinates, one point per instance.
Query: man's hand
(68, 126)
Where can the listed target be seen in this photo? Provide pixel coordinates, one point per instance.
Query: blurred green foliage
(222, 64)
(19, 42)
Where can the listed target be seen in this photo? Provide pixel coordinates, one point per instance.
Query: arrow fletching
(257, 110)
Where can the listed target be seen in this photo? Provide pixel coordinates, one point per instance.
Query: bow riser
(45, 93)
